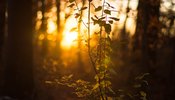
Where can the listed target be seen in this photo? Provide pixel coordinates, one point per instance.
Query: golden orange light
(130, 26)
(69, 38)
(41, 37)
(51, 26)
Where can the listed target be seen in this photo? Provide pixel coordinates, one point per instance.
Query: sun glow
(51, 26)
(69, 38)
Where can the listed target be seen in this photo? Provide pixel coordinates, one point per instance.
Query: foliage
(100, 63)
(137, 89)
(99, 56)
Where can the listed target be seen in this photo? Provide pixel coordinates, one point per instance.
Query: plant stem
(100, 47)
(89, 43)
(89, 51)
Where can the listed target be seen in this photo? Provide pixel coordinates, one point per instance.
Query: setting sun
(69, 37)
(51, 26)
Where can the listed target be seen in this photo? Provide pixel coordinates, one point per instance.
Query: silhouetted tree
(44, 28)
(2, 24)
(124, 36)
(146, 39)
(2, 32)
(19, 56)
(59, 31)
(148, 27)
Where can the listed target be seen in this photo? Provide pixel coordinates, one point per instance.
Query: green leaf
(71, 1)
(71, 5)
(95, 86)
(98, 8)
(107, 28)
(142, 93)
(114, 18)
(107, 61)
(106, 11)
(96, 77)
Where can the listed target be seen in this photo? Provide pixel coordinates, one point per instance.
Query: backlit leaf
(142, 93)
(107, 28)
(102, 17)
(98, 8)
(107, 11)
(71, 5)
(110, 21)
(77, 15)
(83, 8)
(116, 19)
(95, 86)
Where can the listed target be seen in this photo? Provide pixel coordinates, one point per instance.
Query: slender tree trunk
(2, 32)
(59, 31)
(19, 60)
(2, 25)
(43, 29)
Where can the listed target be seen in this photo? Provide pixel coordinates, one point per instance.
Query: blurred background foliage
(142, 42)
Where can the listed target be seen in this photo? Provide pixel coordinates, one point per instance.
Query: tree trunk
(124, 36)
(2, 25)
(2, 32)
(43, 29)
(19, 56)
(146, 37)
(59, 31)
(147, 31)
